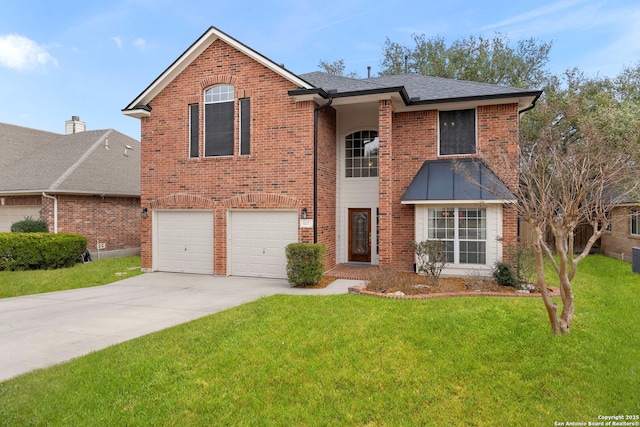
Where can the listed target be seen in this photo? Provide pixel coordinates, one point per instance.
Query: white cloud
(141, 44)
(555, 10)
(20, 53)
(118, 41)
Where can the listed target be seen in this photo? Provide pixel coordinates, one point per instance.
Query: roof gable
(75, 163)
(139, 108)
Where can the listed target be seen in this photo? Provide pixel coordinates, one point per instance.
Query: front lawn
(95, 273)
(355, 360)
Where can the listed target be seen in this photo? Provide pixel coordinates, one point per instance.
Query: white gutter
(55, 211)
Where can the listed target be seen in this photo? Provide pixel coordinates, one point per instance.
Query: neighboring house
(240, 157)
(623, 233)
(84, 182)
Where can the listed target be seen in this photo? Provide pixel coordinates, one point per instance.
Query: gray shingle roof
(424, 87)
(35, 161)
(456, 180)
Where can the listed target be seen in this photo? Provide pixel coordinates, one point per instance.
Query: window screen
(457, 132)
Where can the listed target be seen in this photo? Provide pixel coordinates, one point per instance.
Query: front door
(360, 235)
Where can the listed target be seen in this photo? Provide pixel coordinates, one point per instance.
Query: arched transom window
(361, 154)
(218, 121)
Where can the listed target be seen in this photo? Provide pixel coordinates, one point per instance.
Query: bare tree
(575, 171)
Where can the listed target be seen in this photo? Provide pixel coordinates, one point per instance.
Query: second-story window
(361, 154)
(218, 121)
(457, 132)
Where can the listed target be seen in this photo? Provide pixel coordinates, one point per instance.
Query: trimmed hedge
(29, 225)
(305, 263)
(40, 251)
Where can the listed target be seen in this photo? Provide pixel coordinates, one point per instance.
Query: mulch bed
(415, 286)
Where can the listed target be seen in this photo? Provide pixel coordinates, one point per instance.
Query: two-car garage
(256, 241)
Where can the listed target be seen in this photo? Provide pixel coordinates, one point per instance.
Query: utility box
(635, 259)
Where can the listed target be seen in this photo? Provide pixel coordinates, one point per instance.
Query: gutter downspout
(55, 211)
(315, 167)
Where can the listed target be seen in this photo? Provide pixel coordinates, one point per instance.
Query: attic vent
(74, 125)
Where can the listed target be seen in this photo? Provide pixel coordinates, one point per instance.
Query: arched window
(361, 154)
(218, 120)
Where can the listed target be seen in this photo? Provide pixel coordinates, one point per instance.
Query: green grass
(95, 273)
(355, 360)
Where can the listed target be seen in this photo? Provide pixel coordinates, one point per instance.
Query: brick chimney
(74, 125)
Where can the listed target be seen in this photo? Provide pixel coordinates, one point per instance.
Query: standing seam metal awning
(456, 180)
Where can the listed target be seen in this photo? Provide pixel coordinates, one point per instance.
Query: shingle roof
(456, 180)
(419, 89)
(35, 161)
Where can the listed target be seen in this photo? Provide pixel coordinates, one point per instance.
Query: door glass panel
(360, 233)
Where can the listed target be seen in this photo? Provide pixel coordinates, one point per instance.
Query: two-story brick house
(240, 157)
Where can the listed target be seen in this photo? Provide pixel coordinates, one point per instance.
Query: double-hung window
(463, 232)
(457, 132)
(635, 222)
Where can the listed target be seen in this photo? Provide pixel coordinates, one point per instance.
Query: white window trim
(493, 238)
(634, 214)
(456, 237)
(344, 155)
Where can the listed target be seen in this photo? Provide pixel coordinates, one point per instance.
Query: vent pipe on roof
(368, 71)
(406, 64)
(74, 125)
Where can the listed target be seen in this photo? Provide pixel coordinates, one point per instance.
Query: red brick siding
(327, 163)
(281, 159)
(114, 221)
(618, 242)
(22, 201)
(406, 141)
(386, 197)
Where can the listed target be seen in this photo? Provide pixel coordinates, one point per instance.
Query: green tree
(489, 60)
(336, 68)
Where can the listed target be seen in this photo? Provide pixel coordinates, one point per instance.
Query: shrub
(305, 263)
(29, 225)
(431, 258)
(383, 279)
(522, 261)
(504, 276)
(40, 251)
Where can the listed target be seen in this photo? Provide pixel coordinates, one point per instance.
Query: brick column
(385, 182)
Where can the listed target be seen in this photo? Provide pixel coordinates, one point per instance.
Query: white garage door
(258, 240)
(184, 241)
(11, 214)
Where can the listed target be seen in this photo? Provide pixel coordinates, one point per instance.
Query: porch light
(303, 213)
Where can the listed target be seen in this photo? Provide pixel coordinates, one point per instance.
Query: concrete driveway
(40, 330)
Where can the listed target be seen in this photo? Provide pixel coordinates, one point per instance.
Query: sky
(92, 58)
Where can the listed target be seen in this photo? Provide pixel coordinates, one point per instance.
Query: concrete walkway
(40, 330)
